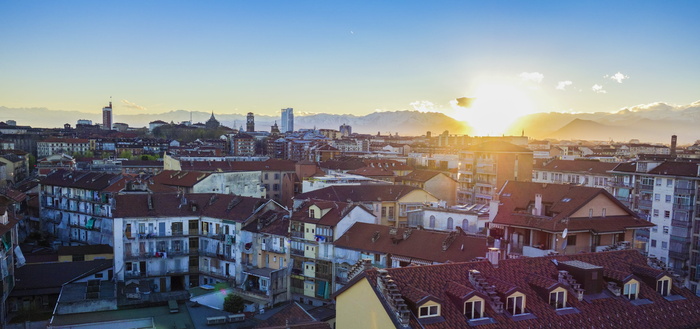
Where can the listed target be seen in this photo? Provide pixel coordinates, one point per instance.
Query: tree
(234, 303)
(126, 155)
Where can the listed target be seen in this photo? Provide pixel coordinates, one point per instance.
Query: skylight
(565, 199)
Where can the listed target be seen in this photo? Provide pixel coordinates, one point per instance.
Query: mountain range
(654, 122)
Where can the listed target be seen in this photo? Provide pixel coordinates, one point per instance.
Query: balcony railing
(644, 203)
(297, 252)
(168, 253)
(684, 207)
(217, 273)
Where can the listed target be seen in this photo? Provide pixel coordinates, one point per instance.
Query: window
(391, 213)
(669, 182)
(663, 286)
(450, 223)
(544, 176)
(658, 181)
(474, 309)
(656, 212)
(657, 197)
(631, 290)
(557, 299)
(668, 198)
(427, 311)
(664, 245)
(432, 222)
(653, 243)
(515, 305)
(571, 240)
(667, 214)
(383, 212)
(665, 229)
(312, 213)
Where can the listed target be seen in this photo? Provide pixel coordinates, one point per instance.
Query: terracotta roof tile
(578, 166)
(532, 276)
(420, 244)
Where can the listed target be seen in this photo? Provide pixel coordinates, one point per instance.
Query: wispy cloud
(131, 105)
(598, 89)
(531, 76)
(617, 77)
(561, 85)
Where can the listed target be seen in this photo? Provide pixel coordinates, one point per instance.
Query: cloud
(531, 76)
(464, 101)
(423, 106)
(561, 85)
(131, 105)
(616, 77)
(598, 89)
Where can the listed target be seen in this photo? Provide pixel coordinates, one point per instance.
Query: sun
(495, 107)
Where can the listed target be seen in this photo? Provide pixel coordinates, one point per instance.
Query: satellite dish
(566, 231)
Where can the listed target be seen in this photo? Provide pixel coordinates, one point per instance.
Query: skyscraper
(287, 120)
(107, 117)
(250, 123)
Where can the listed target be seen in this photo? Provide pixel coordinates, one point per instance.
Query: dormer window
(474, 308)
(515, 304)
(428, 311)
(631, 290)
(663, 286)
(557, 298)
(312, 213)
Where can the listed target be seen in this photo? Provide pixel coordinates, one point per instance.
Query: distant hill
(403, 122)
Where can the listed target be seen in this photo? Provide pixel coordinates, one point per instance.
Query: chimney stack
(493, 254)
(538, 205)
(674, 139)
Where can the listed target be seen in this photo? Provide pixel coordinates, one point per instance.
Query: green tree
(125, 155)
(234, 303)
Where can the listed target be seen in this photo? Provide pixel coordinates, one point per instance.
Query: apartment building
(577, 172)
(666, 193)
(315, 225)
(388, 203)
(52, 146)
(487, 166)
(539, 219)
(76, 206)
(177, 241)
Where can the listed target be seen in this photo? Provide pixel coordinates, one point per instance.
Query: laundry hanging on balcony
(90, 223)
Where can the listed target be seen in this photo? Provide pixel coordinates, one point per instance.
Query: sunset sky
(348, 57)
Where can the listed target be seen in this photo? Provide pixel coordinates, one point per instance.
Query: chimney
(538, 205)
(493, 254)
(674, 139)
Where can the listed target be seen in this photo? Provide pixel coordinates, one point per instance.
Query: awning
(90, 223)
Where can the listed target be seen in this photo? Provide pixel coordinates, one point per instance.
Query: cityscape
(349, 165)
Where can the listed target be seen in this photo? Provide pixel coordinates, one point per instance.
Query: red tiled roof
(66, 140)
(291, 314)
(420, 244)
(357, 193)
(498, 146)
(336, 211)
(561, 201)
(578, 166)
(95, 181)
(687, 169)
(626, 167)
(372, 171)
(227, 166)
(222, 206)
(534, 277)
(180, 178)
(421, 175)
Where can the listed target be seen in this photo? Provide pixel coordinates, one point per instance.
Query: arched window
(465, 224)
(432, 222)
(450, 223)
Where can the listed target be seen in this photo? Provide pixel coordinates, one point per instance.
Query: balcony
(645, 187)
(297, 252)
(682, 207)
(644, 203)
(682, 255)
(297, 234)
(169, 253)
(681, 223)
(216, 273)
(211, 254)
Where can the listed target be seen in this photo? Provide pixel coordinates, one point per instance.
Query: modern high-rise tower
(287, 120)
(107, 117)
(250, 122)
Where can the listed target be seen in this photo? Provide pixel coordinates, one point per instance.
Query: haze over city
(503, 60)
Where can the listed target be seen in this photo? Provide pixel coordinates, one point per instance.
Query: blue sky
(344, 57)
